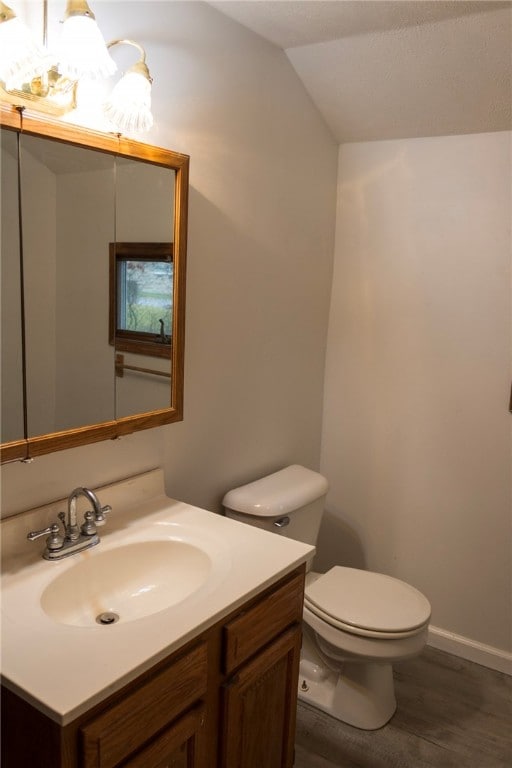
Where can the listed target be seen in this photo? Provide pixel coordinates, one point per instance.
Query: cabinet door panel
(125, 726)
(179, 746)
(259, 707)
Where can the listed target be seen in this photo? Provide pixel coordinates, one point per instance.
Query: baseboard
(486, 655)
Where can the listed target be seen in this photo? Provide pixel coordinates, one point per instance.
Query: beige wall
(416, 437)
(85, 359)
(11, 398)
(261, 235)
(39, 200)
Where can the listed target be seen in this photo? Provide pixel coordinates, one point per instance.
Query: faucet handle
(89, 526)
(100, 518)
(54, 541)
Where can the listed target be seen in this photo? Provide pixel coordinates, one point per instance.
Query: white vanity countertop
(63, 669)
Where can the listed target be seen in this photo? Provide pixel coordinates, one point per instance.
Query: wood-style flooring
(451, 714)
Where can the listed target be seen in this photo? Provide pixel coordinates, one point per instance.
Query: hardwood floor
(451, 714)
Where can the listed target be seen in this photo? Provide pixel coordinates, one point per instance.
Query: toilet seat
(366, 604)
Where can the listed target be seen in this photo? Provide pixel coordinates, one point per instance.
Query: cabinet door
(179, 746)
(124, 727)
(259, 707)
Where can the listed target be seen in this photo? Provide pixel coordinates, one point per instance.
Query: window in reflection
(141, 300)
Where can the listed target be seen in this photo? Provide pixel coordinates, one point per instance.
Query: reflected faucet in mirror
(76, 538)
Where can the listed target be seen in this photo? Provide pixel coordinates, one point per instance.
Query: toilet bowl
(359, 623)
(356, 623)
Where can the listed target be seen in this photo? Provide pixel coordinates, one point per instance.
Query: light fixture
(81, 50)
(21, 56)
(129, 105)
(46, 80)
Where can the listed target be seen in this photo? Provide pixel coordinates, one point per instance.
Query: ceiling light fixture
(32, 75)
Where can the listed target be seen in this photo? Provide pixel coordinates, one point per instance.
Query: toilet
(356, 623)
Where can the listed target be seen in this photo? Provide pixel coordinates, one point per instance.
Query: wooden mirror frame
(26, 122)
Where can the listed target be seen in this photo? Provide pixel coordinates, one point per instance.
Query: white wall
(416, 437)
(261, 234)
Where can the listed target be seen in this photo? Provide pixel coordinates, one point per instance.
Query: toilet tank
(289, 502)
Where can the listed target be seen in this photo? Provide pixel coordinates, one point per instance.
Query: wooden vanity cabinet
(259, 708)
(157, 721)
(261, 659)
(225, 700)
(151, 715)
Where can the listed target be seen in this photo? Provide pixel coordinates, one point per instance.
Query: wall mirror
(93, 285)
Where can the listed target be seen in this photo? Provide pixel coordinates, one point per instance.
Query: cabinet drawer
(258, 625)
(125, 726)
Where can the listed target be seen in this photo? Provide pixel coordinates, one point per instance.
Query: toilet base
(362, 694)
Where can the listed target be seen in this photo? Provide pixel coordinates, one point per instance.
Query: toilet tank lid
(277, 494)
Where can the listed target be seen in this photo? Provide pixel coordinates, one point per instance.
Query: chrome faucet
(70, 525)
(75, 538)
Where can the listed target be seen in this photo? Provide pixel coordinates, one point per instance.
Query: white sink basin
(126, 582)
(168, 569)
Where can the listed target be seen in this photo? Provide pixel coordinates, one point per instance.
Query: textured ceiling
(383, 70)
(290, 23)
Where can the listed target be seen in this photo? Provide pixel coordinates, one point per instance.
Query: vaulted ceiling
(384, 69)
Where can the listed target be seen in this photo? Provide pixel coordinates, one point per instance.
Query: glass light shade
(82, 51)
(129, 106)
(21, 57)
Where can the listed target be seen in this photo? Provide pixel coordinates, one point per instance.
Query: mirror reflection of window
(144, 291)
(141, 298)
(144, 298)
(141, 312)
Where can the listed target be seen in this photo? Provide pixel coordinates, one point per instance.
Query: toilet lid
(367, 601)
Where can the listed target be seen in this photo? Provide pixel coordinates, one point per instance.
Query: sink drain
(107, 618)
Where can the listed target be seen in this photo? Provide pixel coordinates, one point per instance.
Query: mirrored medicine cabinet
(93, 258)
